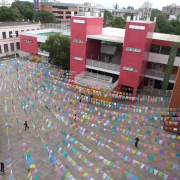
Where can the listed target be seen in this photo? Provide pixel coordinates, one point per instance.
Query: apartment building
(121, 12)
(62, 11)
(172, 9)
(8, 43)
(93, 10)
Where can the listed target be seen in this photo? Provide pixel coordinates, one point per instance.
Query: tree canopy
(118, 22)
(108, 17)
(130, 7)
(128, 14)
(59, 48)
(25, 8)
(45, 17)
(116, 6)
(8, 14)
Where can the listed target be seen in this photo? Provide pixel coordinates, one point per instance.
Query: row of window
(78, 41)
(4, 36)
(129, 69)
(6, 49)
(133, 49)
(136, 27)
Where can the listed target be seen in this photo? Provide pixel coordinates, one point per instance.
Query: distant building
(121, 12)
(171, 17)
(172, 9)
(145, 10)
(8, 44)
(62, 11)
(94, 10)
(5, 3)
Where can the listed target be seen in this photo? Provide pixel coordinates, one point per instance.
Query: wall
(162, 43)
(28, 47)
(9, 40)
(140, 39)
(91, 26)
(93, 49)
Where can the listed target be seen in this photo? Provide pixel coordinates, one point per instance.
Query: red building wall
(140, 39)
(91, 26)
(29, 44)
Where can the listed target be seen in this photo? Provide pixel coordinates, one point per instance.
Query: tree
(45, 17)
(161, 20)
(29, 14)
(108, 17)
(116, 6)
(167, 28)
(177, 31)
(155, 13)
(119, 22)
(128, 14)
(59, 48)
(8, 14)
(130, 8)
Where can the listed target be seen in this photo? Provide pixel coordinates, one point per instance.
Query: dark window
(17, 34)
(75, 12)
(68, 17)
(68, 12)
(10, 32)
(0, 50)
(178, 53)
(5, 48)
(60, 12)
(32, 29)
(17, 45)
(22, 30)
(12, 46)
(4, 35)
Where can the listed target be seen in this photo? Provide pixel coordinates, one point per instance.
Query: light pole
(14, 35)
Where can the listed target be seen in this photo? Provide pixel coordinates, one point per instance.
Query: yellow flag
(68, 174)
(28, 175)
(32, 166)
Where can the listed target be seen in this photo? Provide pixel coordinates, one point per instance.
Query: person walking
(26, 125)
(136, 142)
(2, 167)
(74, 118)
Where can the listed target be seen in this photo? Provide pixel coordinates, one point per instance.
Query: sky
(125, 3)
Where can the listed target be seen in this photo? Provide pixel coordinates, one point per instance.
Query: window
(68, 12)
(5, 47)
(79, 21)
(0, 50)
(17, 45)
(136, 27)
(32, 29)
(129, 69)
(27, 29)
(10, 32)
(77, 58)
(12, 46)
(4, 35)
(78, 41)
(68, 17)
(22, 30)
(133, 49)
(17, 33)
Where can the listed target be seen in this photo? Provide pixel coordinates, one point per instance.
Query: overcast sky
(124, 3)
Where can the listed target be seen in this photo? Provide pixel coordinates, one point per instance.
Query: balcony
(102, 66)
(159, 75)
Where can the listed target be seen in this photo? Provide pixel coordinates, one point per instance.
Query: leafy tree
(128, 14)
(45, 17)
(29, 14)
(155, 13)
(119, 22)
(108, 17)
(161, 20)
(177, 31)
(8, 14)
(130, 7)
(167, 28)
(175, 23)
(116, 6)
(59, 48)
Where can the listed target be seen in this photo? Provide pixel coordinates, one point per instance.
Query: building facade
(172, 9)
(121, 12)
(62, 11)
(94, 10)
(8, 44)
(145, 10)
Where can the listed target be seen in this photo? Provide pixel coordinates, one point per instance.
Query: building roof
(16, 23)
(58, 4)
(117, 35)
(125, 10)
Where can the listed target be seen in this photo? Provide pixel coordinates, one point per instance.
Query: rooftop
(59, 4)
(16, 23)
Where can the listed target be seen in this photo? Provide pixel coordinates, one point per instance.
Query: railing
(99, 64)
(43, 53)
(159, 74)
(55, 26)
(156, 91)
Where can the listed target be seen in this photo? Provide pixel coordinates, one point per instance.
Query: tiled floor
(96, 151)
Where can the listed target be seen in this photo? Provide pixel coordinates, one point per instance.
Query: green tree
(119, 22)
(116, 6)
(130, 8)
(161, 20)
(29, 14)
(155, 13)
(45, 17)
(128, 14)
(167, 28)
(177, 31)
(59, 48)
(108, 17)
(8, 14)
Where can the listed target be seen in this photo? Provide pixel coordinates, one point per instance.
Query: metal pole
(14, 47)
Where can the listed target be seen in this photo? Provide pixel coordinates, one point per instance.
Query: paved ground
(107, 153)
